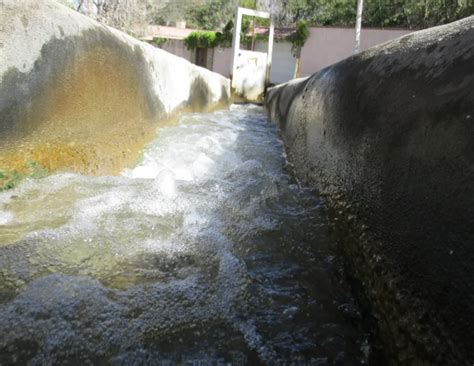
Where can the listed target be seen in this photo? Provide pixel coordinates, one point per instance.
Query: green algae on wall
(10, 179)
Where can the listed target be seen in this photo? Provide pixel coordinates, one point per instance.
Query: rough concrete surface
(388, 137)
(78, 95)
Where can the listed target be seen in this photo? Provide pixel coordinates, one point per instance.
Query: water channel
(207, 252)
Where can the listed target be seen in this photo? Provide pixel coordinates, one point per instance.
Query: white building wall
(283, 62)
(328, 45)
(324, 47)
(222, 61)
(178, 48)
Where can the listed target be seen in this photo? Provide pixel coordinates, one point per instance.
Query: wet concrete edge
(387, 138)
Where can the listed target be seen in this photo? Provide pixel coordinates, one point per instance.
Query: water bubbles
(202, 166)
(6, 217)
(204, 251)
(166, 183)
(149, 171)
(291, 311)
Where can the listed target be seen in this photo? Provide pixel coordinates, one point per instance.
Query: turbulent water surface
(206, 253)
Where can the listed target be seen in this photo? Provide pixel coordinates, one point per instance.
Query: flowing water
(206, 253)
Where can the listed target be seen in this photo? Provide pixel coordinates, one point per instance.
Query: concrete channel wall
(78, 95)
(387, 136)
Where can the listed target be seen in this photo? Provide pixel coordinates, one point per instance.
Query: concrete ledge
(78, 95)
(388, 137)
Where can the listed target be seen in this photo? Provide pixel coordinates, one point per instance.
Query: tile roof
(159, 31)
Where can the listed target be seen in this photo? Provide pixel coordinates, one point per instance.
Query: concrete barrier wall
(78, 95)
(387, 137)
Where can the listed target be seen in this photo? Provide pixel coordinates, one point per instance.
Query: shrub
(298, 39)
(158, 41)
(201, 39)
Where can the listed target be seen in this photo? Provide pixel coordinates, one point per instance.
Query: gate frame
(236, 39)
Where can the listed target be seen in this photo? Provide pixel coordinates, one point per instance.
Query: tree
(297, 42)
(207, 16)
(121, 14)
(213, 14)
(172, 11)
(377, 13)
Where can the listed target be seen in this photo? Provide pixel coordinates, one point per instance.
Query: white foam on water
(6, 217)
(166, 183)
(102, 269)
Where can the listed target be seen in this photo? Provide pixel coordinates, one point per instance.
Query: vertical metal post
(360, 5)
(236, 40)
(269, 52)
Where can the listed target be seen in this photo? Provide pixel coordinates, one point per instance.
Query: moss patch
(10, 178)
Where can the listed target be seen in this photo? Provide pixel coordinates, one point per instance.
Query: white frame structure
(236, 39)
(360, 6)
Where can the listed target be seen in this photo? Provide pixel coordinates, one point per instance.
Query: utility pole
(360, 5)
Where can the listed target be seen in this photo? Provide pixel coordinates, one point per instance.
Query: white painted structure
(325, 46)
(283, 61)
(360, 6)
(250, 69)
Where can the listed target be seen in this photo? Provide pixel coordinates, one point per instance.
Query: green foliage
(245, 28)
(213, 14)
(158, 41)
(263, 22)
(208, 16)
(210, 39)
(10, 179)
(36, 171)
(377, 13)
(300, 36)
(224, 38)
(201, 39)
(415, 13)
(171, 12)
(249, 4)
(202, 14)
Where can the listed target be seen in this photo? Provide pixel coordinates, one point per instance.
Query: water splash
(206, 252)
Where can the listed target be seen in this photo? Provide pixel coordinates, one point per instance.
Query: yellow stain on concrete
(93, 118)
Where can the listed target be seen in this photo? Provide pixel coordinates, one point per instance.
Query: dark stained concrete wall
(388, 137)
